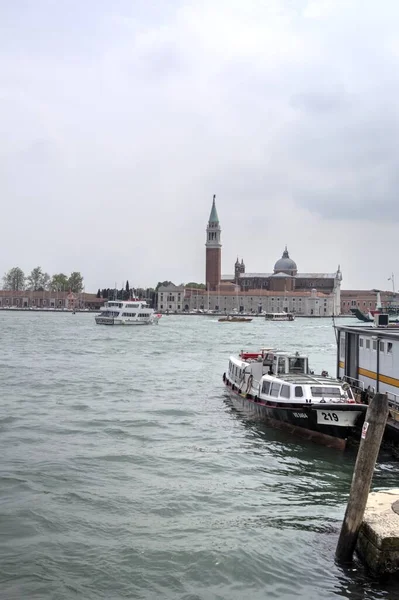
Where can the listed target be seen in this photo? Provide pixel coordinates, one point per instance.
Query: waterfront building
(285, 288)
(303, 303)
(366, 300)
(170, 298)
(49, 300)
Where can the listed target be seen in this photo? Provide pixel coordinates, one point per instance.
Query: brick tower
(213, 270)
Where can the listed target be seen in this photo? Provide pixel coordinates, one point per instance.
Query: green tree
(127, 287)
(98, 293)
(37, 279)
(45, 282)
(163, 283)
(59, 283)
(14, 279)
(198, 286)
(75, 282)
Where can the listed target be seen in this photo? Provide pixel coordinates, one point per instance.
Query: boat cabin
(266, 362)
(274, 376)
(284, 316)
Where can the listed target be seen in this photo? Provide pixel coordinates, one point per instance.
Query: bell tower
(213, 267)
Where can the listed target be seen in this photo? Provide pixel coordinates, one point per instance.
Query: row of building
(178, 299)
(49, 300)
(181, 299)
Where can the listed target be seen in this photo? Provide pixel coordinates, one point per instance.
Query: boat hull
(110, 321)
(311, 422)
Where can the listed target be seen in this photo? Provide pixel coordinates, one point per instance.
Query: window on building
(367, 344)
(389, 347)
(161, 305)
(374, 344)
(361, 342)
(178, 307)
(382, 347)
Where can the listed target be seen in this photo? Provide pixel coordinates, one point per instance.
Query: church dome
(285, 263)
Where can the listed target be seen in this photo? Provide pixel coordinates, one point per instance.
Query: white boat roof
(306, 379)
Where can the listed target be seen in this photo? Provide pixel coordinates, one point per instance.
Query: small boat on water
(284, 316)
(130, 312)
(235, 319)
(279, 388)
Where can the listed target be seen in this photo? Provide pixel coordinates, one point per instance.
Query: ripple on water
(125, 472)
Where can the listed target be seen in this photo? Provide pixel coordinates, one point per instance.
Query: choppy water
(125, 473)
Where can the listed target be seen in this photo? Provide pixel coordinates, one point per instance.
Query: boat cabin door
(351, 355)
(279, 365)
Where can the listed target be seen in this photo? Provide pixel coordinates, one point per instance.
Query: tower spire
(213, 249)
(213, 217)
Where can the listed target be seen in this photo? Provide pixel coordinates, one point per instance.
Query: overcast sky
(120, 119)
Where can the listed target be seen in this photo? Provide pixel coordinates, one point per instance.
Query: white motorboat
(283, 316)
(129, 312)
(278, 387)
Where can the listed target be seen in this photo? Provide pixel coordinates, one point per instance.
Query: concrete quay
(378, 541)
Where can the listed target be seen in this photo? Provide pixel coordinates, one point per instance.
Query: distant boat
(279, 316)
(130, 312)
(234, 319)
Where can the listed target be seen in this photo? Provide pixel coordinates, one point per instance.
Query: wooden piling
(372, 432)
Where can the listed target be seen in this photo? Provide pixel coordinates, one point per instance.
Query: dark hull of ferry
(302, 419)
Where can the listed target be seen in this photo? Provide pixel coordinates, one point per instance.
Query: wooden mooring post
(372, 432)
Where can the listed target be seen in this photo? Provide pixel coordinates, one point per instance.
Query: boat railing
(363, 393)
(393, 400)
(355, 383)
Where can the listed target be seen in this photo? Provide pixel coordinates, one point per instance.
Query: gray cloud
(120, 120)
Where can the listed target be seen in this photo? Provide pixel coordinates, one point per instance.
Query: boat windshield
(322, 391)
(297, 364)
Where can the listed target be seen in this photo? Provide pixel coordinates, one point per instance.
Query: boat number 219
(330, 416)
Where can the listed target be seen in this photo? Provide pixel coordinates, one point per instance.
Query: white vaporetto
(129, 312)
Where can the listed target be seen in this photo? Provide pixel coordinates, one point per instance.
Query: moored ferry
(368, 359)
(279, 388)
(130, 312)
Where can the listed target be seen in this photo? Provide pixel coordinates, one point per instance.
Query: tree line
(39, 281)
(127, 293)
(148, 294)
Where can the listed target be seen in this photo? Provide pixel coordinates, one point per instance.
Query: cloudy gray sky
(119, 121)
